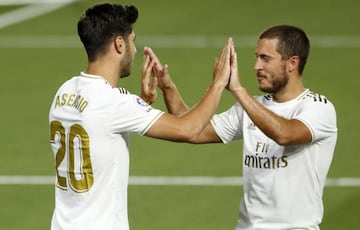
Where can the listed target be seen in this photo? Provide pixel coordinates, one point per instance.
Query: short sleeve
(319, 117)
(228, 125)
(132, 114)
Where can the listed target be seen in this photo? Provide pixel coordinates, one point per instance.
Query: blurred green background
(37, 55)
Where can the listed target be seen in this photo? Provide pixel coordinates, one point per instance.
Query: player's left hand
(234, 81)
(159, 71)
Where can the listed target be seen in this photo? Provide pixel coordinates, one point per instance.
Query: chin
(265, 89)
(124, 75)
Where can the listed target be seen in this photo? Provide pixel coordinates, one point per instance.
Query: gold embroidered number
(76, 145)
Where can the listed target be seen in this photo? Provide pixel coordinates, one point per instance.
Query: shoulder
(264, 99)
(314, 97)
(316, 108)
(316, 101)
(123, 91)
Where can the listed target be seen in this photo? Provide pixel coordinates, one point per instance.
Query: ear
(293, 63)
(120, 45)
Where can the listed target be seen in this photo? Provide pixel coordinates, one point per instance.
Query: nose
(258, 65)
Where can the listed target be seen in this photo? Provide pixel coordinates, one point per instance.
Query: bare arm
(172, 97)
(190, 126)
(281, 130)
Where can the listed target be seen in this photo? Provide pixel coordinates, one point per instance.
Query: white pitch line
(170, 41)
(169, 181)
(186, 181)
(23, 2)
(31, 11)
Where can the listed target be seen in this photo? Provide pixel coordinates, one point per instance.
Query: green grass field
(38, 54)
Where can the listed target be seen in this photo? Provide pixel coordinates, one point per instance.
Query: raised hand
(172, 98)
(234, 82)
(221, 71)
(148, 85)
(159, 71)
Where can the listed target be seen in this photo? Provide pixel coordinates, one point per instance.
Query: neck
(291, 91)
(105, 69)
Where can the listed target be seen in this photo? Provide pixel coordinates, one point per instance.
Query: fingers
(147, 66)
(222, 65)
(148, 85)
(224, 54)
(233, 58)
(157, 67)
(148, 51)
(165, 70)
(234, 83)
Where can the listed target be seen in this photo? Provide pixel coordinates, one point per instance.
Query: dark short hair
(99, 24)
(292, 41)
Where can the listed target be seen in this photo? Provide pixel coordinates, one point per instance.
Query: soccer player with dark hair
(91, 121)
(289, 134)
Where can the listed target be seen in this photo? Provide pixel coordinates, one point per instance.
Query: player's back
(92, 163)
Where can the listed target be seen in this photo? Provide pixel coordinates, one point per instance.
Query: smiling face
(270, 67)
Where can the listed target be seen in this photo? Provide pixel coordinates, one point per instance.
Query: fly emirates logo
(262, 161)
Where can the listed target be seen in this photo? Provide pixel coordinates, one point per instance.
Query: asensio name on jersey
(72, 100)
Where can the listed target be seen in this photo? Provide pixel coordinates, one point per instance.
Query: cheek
(278, 69)
(133, 48)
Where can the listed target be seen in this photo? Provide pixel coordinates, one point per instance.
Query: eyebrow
(263, 55)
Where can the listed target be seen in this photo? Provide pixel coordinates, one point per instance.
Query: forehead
(267, 46)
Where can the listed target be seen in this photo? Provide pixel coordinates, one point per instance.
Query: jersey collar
(92, 76)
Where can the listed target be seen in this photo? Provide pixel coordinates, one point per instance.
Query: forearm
(189, 127)
(272, 125)
(198, 118)
(173, 101)
(200, 115)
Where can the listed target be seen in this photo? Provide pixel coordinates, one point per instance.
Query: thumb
(166, 69)
(154, 83)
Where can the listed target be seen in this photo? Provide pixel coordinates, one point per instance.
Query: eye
(265, 58)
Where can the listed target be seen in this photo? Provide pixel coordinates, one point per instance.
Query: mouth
(260, 77)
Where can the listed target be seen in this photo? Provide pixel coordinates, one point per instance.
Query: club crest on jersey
(145, 106)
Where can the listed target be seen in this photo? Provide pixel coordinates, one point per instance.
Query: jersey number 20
(74, 147)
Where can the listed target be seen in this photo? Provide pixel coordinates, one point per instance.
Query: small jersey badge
(145, 106)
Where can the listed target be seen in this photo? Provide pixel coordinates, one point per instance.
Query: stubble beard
(277, 83)
(126, 63)
(276, 86)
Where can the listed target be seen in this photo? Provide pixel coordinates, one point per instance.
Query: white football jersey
(283, 186)
(90, 126)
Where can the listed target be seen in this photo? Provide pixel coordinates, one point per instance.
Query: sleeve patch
(143, 105)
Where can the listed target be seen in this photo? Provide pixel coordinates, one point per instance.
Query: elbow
(281, 138)
(282, 141)
(190, 135)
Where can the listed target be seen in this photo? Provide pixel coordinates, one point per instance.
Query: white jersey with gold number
(283, 186)
(90, 126)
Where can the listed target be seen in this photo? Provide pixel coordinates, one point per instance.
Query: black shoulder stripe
(268, 97)
(123, 91)
(316, 97)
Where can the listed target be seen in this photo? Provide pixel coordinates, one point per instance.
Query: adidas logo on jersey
(123, 91)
